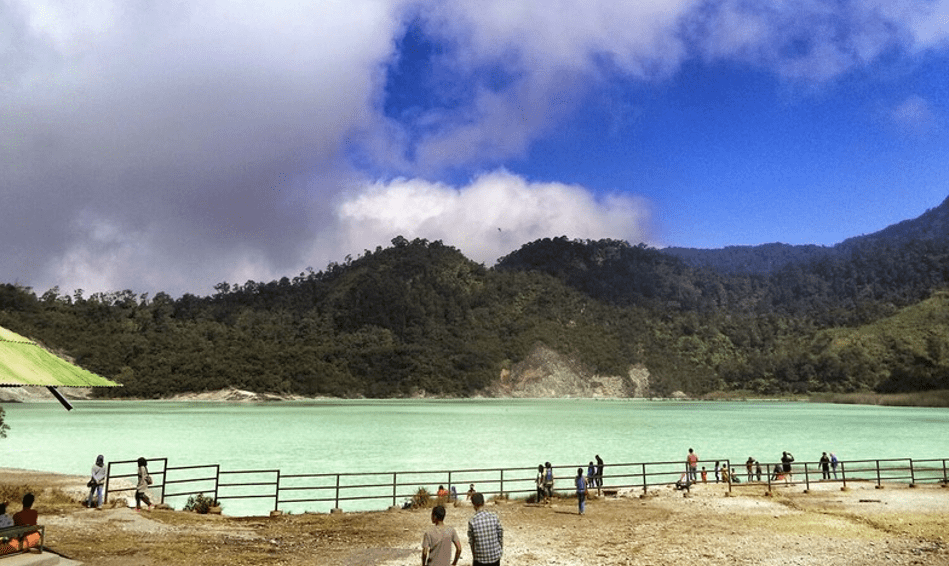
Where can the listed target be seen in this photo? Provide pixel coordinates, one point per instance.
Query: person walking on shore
(833, 463)
(485, 535)
(824, 466)
(438, 540)
(141, 489)
(96, 482)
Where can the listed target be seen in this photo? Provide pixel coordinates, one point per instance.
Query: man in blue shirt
(485, 535)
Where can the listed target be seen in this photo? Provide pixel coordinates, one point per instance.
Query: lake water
(332, 436)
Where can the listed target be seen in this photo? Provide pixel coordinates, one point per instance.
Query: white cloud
(491, 217)
(915, 114)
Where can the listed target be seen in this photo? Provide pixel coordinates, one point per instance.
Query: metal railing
(390, 488)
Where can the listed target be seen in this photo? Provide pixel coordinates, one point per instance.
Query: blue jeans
(95, 494)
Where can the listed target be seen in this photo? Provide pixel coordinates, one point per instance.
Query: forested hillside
(419, 318)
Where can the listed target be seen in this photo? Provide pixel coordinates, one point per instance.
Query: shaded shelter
(24, 363)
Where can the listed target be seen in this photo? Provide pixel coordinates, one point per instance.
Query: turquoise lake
(333, 436)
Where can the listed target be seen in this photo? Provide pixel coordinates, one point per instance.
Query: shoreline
(932, 399)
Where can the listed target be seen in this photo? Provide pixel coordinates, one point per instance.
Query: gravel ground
(864, 526)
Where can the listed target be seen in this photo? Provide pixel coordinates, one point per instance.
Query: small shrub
(421, 499)
(200, 503)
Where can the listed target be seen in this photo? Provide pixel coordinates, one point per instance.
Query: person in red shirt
(28, 516)
(692, 461)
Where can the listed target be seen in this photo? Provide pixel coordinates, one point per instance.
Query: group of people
(27, 516)
(593, 479)
(97, 481)
(485, 537)
(781, 471)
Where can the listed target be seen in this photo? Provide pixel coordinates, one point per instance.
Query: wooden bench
(15, 540)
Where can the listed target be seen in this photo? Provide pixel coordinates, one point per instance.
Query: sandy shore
(863, 526)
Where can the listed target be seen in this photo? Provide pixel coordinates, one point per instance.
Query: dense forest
(417, 317)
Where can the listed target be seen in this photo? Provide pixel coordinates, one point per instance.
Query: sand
(862, 526)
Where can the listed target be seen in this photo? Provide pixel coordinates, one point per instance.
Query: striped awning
(26, 363)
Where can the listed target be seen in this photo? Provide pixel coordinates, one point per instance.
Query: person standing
(692, 461)
(96, 482)
(718, 472)
(599, 472)
(485, 535)
(144, 480)
(749, 467)
(758, 470)
(786, 459)
(581, 490)
(591, 475)
(539, 481)
(438, 540)
(833, 463)
(548, 482)
(824, 466)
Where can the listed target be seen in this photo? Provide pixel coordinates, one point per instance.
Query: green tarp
(24, 362)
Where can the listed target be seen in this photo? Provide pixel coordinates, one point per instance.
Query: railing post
(879, 482)
(843, 476)
(945, 477)
(807, 479)
(912, 474)
(644, 479)
(108, 474)
(770, 475)
(450, 485)
(164, 479)
(217, 479)
(276, 498)
(395, 484)
(730, 472)
(336, 500)
(502, 484)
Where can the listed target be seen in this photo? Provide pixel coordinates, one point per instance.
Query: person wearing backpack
(548, 482)
(786, 459)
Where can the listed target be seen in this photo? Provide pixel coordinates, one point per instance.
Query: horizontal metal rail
(388, 488)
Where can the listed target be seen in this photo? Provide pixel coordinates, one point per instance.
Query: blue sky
(168, 148)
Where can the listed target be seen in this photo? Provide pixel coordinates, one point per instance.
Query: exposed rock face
(547, 374)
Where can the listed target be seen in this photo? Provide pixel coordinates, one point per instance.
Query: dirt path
(864, 526)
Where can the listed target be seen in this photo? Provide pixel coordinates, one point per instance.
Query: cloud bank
(167, 147)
